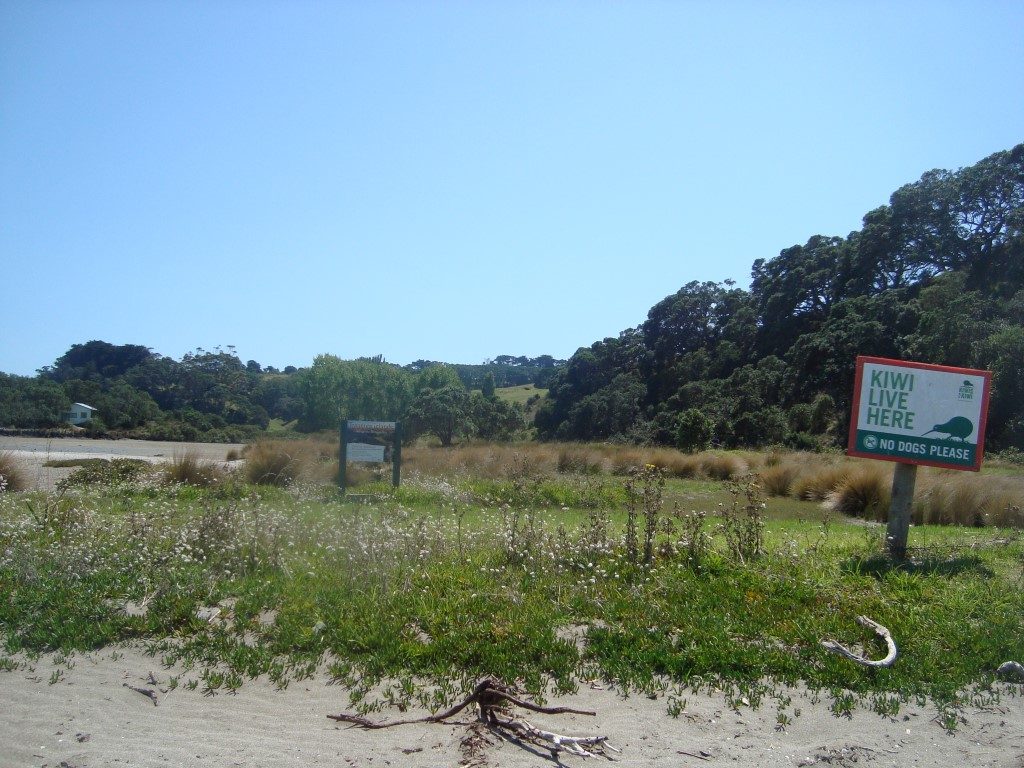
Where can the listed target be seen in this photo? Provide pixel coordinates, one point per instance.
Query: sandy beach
(93, 716)
(34, 452)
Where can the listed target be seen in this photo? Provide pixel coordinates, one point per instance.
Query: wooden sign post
(370, 442)
(913, 414)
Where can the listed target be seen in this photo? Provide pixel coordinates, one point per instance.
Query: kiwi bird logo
(959, 427)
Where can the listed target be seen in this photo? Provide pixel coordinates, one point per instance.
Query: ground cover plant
(657, 583)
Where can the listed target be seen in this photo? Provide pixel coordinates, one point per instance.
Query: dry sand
(34, 452)
(91, 718)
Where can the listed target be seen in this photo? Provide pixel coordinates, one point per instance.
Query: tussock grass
(282, 462)
(863, 492)
(948, 498)
(505, 461)
(853, 486)
(579, 460)
(188, 468)
(778, 479)
(819, 481)
(12, 474)
(724, 466)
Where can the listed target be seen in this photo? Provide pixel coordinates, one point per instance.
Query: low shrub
(106, 472)
(12, 476)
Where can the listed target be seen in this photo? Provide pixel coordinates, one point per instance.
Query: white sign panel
(919, 414)
(365, 452)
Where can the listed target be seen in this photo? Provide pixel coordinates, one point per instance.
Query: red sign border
(851, 445)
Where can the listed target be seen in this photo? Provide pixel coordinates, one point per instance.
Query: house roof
(83, 405)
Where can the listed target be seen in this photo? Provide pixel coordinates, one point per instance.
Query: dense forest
(934, 276)
(214, 396)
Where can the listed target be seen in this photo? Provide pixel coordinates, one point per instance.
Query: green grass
(281, 428)
(64, 463)
(520, 394)
(441, 582)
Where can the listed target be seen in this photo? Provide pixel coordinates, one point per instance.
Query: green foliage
(767, 426)
(694, 431)
(494, 418)
(934, 276)
(488, 385)
(444, 413)
(334, 389)
(26, 402)
(109, 472)
(97, 361)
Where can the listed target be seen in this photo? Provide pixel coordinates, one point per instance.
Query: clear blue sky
(453, 180)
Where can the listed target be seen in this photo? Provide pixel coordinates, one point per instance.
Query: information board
(370, 442)
(915, 413)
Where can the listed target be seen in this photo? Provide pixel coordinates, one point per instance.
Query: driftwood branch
(492, 697)
(572, 744)
(881, 631)
(144, 691)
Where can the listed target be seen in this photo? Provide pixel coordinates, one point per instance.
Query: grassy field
(546, 565)
(520, 394)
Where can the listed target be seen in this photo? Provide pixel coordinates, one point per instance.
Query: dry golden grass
(12, 476)
(189, 469)
(579, 460)
(778, 479)
(722, 466)
(961, 498)
(280, 462)
(819, 480)
(864, 492)
(504, 461)
(853, 486)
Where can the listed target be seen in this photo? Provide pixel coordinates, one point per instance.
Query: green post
(396, 456)
(343, 456)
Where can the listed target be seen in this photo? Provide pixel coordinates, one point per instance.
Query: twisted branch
(491, 696)
(881, 631)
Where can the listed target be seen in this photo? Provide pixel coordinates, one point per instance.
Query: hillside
(936, 276)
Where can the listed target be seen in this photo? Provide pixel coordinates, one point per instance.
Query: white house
(79, 414)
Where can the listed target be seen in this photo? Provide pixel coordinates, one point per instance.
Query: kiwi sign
(916, 413)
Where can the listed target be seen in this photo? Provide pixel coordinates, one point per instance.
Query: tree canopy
(937, 275)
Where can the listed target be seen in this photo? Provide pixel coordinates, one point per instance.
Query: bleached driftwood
(492, 698)
(556, 741)
(881, 631)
